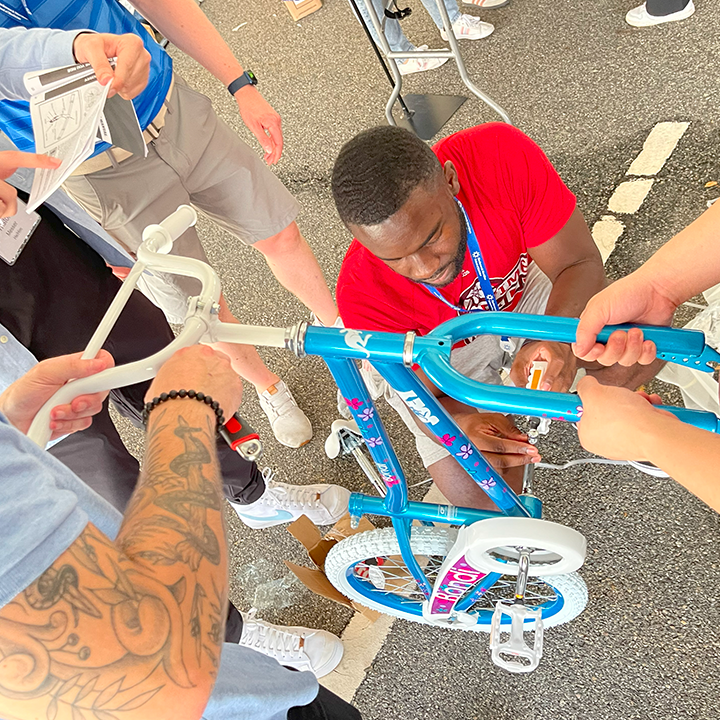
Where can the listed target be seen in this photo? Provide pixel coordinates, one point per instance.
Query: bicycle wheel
(368, 568)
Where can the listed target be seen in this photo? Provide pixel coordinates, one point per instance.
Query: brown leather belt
(113, 156)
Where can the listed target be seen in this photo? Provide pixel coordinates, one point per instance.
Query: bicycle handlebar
(684, 347)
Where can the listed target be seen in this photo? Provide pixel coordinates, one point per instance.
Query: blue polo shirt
(104, 16)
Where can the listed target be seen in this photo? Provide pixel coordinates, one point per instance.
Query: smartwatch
(247, 78)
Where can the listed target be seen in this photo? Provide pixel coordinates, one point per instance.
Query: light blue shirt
(22, 51)
(43, 509)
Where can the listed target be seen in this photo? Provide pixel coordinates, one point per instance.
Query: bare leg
(295, 266)
(460, 489)
(244, 358)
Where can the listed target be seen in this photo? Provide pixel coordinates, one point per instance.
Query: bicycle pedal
(515, 654)
(340, 432)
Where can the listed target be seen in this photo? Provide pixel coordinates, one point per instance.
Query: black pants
(52, 300)
(326, 706)
(665, 7)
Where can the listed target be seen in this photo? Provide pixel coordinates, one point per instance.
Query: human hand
(631, 299)
(497, 438)
(615, 420)
(202, 369)
(132, 66)
(561, 367)
(262, 121)
(10, 161)
(23, 399)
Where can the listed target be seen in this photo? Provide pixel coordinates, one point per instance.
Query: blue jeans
(393, 32)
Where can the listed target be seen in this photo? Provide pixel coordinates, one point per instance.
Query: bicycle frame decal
(452, 585)
(356, 340)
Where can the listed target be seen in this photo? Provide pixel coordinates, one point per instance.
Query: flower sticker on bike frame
(374, 441)
(367, 414)
(355, 403)
(446, 439)
(465, 452)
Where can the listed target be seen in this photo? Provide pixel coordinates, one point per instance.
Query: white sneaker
(281, 503)
(469, 27)
(317, 651)
(640, 17)
(416, 65)
(289, 423)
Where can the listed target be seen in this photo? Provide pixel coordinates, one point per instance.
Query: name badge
(15, 231)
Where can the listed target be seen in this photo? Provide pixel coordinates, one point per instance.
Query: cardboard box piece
(317, 546)
(302, 9)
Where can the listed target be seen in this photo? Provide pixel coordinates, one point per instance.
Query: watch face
(251, 75)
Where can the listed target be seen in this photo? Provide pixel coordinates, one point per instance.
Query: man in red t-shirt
(409, 267)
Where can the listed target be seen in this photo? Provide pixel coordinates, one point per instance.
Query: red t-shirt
(515, 200)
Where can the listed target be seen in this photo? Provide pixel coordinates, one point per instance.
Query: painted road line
(363, 640)
(657, 148)
(629, 196)
(606, 232)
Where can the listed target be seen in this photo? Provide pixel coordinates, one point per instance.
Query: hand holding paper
(132, 61)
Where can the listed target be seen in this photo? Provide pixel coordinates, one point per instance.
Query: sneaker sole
(444, 36)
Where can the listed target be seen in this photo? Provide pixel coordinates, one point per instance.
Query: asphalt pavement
(587, 88)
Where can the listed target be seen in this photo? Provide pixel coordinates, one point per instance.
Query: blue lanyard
(480, 270)
(482, 276)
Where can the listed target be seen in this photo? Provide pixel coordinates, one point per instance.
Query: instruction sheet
(70, 113)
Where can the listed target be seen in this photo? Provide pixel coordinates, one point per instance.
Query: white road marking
(629, 196)
(363, 640)
(605, 233)
(658, 147)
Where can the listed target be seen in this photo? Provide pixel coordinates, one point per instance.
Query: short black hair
(376, 172)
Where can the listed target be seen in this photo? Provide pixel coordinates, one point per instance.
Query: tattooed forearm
(133, 628)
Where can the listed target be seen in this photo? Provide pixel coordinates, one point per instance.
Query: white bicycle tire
(431, 541)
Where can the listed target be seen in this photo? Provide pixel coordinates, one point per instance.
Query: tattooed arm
(132, 629)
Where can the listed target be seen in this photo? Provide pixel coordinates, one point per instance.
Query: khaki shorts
(481, 360)
(197, 160)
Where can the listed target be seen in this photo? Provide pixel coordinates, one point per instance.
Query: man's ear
(451, 177)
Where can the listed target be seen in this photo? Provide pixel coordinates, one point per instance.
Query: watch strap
(247, 78)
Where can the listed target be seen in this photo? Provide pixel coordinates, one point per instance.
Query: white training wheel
(493, 546)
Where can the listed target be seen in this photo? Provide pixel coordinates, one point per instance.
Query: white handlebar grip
(160, 238)
(182, 219)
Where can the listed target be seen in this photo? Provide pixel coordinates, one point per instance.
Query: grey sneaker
(289, 423)
(317, 651)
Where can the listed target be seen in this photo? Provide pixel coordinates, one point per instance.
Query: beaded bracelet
(202, 397)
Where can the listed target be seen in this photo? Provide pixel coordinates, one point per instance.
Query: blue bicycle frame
(393, 356)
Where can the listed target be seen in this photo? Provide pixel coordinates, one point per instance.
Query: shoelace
(270, 640)
(292, 495)
(279, 402)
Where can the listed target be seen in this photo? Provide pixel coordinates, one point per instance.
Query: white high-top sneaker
(282, 502)
(317, 651)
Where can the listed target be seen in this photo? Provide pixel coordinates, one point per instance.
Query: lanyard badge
(507, 345)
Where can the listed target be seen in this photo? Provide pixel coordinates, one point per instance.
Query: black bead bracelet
(202, 397)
